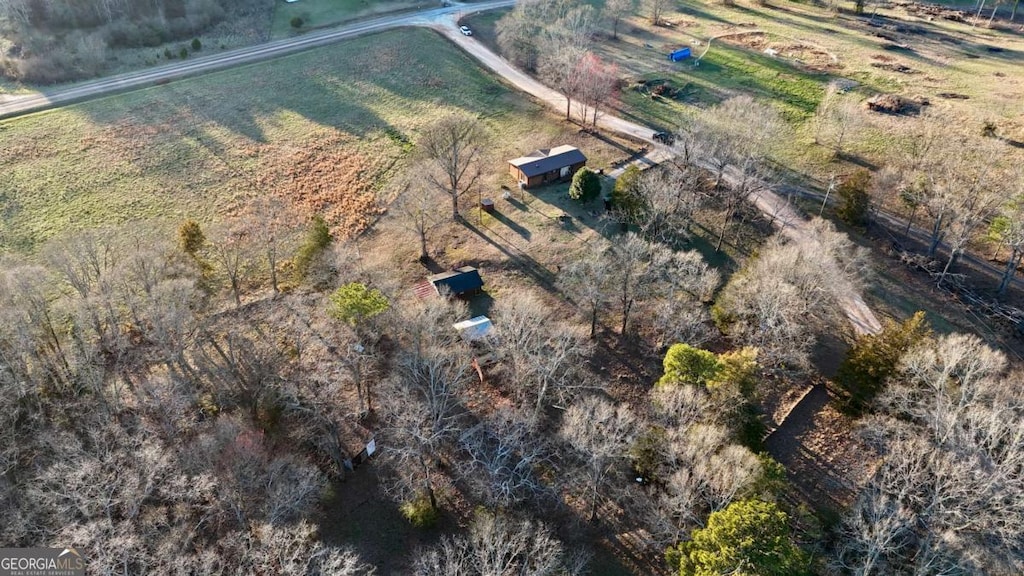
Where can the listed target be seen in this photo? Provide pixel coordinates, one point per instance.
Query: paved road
(768, 202)
(19, 105)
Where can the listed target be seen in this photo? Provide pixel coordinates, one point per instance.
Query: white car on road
(465, 31)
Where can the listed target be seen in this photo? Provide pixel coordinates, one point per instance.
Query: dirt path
(768, 202)
(824, 461)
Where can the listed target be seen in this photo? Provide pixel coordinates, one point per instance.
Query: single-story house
(474, 329)
(547, 165)
(465, 280)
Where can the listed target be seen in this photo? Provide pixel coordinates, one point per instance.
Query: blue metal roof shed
(458, 282)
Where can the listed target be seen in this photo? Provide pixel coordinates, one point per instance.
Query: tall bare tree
(615, 11)
(424, 413)
(230, 250)
(273, 226)
(452, 145)
(589, 280)
(1008, 230)
(545, 355)
(601, 432)
(782, 297)
(838, 118)
(498, 545)
(560, 67)
(418, 209)
(655, 9)
(947, 497)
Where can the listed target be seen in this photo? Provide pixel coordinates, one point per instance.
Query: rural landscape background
(775, 326)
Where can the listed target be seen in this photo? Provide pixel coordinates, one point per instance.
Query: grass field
(342, 116)
(966, 73)
(321, 13)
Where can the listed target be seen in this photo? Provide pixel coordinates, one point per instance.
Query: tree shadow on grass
(512, 225)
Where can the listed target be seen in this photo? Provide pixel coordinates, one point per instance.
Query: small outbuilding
(474, 329)
(547, 165)
(465, 280)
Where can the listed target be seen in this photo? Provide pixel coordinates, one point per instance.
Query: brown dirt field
(329, 176)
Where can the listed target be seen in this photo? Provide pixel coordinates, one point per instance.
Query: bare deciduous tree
(788, 292)
(560, 66)
(947, 498)
(498, 545)
(424, 412)
(231, 252)
(273, 226)
(838, 118)
(655, 9)
(419, 210)
(545, 355)
(589, 280)
(639, 267)
(504, 455)
(1008, 230)
(615, 11)
(601, 433)
(452, 145)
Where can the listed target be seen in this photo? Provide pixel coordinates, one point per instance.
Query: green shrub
(297, 22)
(750, 533)
(586, 185)
(420, 513)
(647, 452)
(190, 237)
(854, 200)
(317, 239)
(629, 206)
(168, 54)
(183, 53)
(874, 358)
(355, 303)
(196, 45)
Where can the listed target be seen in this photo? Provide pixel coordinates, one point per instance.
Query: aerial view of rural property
(512, 287)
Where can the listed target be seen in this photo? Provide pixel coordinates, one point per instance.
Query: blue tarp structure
(681, 54)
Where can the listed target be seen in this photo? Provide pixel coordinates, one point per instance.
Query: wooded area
(203, 400)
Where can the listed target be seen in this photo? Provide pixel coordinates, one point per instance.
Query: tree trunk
(725, 227)
(236, 292)
(593, 498)
(952, 257)
(357, 375)
(272, 262)
(910, 221)
(455, 204)
(1010, 271)
(936, 238)
(568, 107)
(428, 485)
(540, 401)
(1013, 14)
(625, 316)
(593, 322)
(993, 15)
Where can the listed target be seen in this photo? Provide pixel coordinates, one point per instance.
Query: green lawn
(192, 148)
(320, 13)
